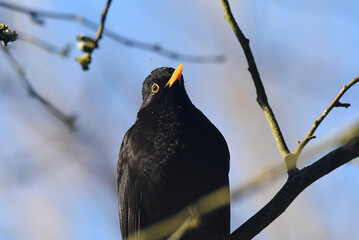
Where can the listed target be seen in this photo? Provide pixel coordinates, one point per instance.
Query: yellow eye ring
(155, 88)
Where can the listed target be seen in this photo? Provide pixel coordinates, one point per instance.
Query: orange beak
(175, 76)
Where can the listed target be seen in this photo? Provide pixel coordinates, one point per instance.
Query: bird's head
(162, 86)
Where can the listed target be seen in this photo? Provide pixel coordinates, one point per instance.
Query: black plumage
(171, 157)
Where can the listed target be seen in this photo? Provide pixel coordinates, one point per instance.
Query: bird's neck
(160, 113)
(166, 109)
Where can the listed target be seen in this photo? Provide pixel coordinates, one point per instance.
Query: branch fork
(297, 180)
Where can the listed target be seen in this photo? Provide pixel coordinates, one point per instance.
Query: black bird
(170, 158)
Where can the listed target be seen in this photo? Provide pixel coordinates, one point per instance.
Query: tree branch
(296, 183)
(102, 23)
(261, 95)
(36, 15)
(90, 43)
(69, 121)
(317, 122)
(298, 180)
(63, 52)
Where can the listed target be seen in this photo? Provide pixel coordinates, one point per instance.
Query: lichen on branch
(6, 35)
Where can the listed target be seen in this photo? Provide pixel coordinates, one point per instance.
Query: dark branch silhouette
(39, 15)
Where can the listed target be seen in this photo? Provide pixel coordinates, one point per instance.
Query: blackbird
(170, 158)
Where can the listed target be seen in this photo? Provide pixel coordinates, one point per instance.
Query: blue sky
(60, 185)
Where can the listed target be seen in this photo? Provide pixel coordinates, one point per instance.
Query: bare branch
(90, 43)
(296, 183)
(38, 14)
(317, 122)
(102, 23)
(298, 180)
(261, 95)
(63, 52)
(290, 159)
(69, 121)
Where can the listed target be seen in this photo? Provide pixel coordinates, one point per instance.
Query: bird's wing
(215, 151)
(129, 195)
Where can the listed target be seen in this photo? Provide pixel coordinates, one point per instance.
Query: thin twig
(69, 121)
(261, 95)
(39, 13)
(36, 14)
(101, 27)
(317, 122)
(63, 52)
(88, 45)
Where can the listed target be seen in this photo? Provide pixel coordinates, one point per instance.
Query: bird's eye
(155, 88)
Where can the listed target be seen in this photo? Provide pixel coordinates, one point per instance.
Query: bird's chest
(163, 145)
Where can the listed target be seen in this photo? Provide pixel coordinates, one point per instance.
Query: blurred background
(58, 184)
